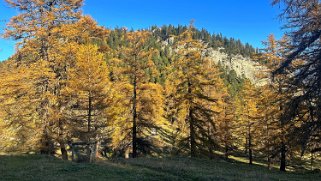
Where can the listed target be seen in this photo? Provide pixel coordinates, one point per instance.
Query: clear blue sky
(249, 20)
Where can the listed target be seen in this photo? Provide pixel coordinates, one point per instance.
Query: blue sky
(249, 20)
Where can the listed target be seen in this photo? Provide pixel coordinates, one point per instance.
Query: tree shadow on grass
(41, 167)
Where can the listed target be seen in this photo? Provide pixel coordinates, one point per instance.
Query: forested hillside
(76, 88)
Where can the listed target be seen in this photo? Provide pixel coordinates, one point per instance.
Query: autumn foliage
(121, 93)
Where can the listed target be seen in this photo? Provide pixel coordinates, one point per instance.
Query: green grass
(42, 168)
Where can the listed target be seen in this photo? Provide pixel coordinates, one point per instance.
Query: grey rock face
(243, 66)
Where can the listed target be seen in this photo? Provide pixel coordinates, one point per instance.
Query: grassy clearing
(42, 168)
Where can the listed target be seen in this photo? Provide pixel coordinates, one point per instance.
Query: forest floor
(45, 168)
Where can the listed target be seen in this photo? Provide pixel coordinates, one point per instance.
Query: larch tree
(151, 121)
(20, 97)
(137, 70)
(192, 98)
(37, 19)
(302, 64)
(35, 30)
(272, 55)
(247, 114)
(269, 129)
(87, 93)
(226, 125)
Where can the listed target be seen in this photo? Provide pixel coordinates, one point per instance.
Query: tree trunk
(250, 153)
(250, 146)
(73, 156)
(226, 135)
(283, 157)
(209, 146)
(226, 150)
(89, 113)
(93, 152)
(268, 142)
(64, 154)
(89, 146)
(283, 146)
(47, 146)
(134, 155)
(192, 134)
(191, 124)
(226, 146)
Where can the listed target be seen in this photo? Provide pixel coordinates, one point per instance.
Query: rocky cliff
(243, 66)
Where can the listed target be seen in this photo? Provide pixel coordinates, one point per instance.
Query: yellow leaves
(90, 69)
(150, 97)
(49, 17)
(193, 89)
(77, 3)
(137, 62)
(23, 78)
(186, 37)
(138, 38)
(85, 30)
(20, 94)
(136, 51)
(88, 95)
(249, 98)
(38, 18)
(274, 51)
